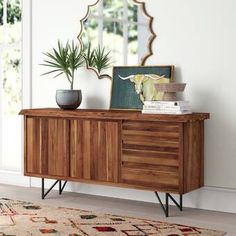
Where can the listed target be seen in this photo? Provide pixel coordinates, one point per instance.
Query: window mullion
(125, 33)
(1, 74)
(100, 24)
(1, 70)
(4, 22)
(140, 36)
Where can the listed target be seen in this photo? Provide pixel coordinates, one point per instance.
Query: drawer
(152, 136)
(156, 177)
(151, 169)
(150, 154)
(150, 157)
(157, 128)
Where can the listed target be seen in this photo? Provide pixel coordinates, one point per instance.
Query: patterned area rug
(25, 218)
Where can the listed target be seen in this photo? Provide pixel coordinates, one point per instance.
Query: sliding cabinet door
(95, 149)
(47, 146)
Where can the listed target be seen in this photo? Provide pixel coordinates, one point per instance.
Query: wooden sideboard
(161, 153)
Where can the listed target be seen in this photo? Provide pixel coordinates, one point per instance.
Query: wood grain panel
(154, 127)
(116, 115)
(120, 148)
(150, 154)
(146, 159)
(193, 155)
(150, 177)
(113, 150)
(157, 136)
(150, 148)
(58, 147)
(150, 134)
(94, 150)
(47, 149)
(148, 141)
(34, 145)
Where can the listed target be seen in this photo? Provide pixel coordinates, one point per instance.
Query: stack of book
(166, 107)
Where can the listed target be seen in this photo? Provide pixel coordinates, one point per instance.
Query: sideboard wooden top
(111, 115)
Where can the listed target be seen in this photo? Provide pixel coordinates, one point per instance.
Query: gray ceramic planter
(68, 99)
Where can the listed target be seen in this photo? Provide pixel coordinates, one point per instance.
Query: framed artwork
(132, 85)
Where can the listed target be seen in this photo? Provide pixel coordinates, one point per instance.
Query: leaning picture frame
(132, 85)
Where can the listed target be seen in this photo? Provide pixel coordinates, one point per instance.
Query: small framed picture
(132, 85)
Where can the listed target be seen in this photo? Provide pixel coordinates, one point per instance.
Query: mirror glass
(123, 27)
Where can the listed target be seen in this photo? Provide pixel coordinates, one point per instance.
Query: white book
(166, 112)
(166, 103)
(166, 107)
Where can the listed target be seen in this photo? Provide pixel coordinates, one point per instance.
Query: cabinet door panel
(33, 154)
(58, 147)
(47, 149)
(94, 150)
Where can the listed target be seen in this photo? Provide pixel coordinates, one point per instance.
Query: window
(10, 90)
(120, 26)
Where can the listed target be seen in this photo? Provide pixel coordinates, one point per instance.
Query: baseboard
(207, 198)
(14, 178)
(212, 198)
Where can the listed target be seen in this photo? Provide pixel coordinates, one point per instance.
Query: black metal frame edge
(165, 207)
(61, 187)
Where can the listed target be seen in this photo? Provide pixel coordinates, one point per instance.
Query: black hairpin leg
(165, 207)
(61, 188)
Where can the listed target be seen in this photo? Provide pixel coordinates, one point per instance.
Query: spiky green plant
(64, 60)
(97, 58)
(102, 59)
(89, 56)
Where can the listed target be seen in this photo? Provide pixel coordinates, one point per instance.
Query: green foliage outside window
(113, 29)
(115, 10)
(13, 11)
(11, 57)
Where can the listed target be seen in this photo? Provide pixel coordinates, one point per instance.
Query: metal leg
(180, 204)
(61, 188)
(162, 205)
(165, 207)
(43, 188)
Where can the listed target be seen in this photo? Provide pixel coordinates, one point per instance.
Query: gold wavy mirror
(122, 27)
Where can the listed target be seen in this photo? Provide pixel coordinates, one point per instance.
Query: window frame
(5, 45)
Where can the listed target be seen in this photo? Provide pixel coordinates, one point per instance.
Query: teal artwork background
(123, 94)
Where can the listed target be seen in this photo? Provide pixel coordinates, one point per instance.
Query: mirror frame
(150, 25)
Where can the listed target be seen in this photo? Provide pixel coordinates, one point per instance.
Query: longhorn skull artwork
(145, 85)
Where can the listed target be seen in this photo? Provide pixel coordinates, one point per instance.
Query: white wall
(197, 36)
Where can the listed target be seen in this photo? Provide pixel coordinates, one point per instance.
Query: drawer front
(150, 154)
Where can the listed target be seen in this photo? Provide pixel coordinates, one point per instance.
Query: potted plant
(65, 59)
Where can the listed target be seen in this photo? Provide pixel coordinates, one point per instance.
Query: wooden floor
(200, 218)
